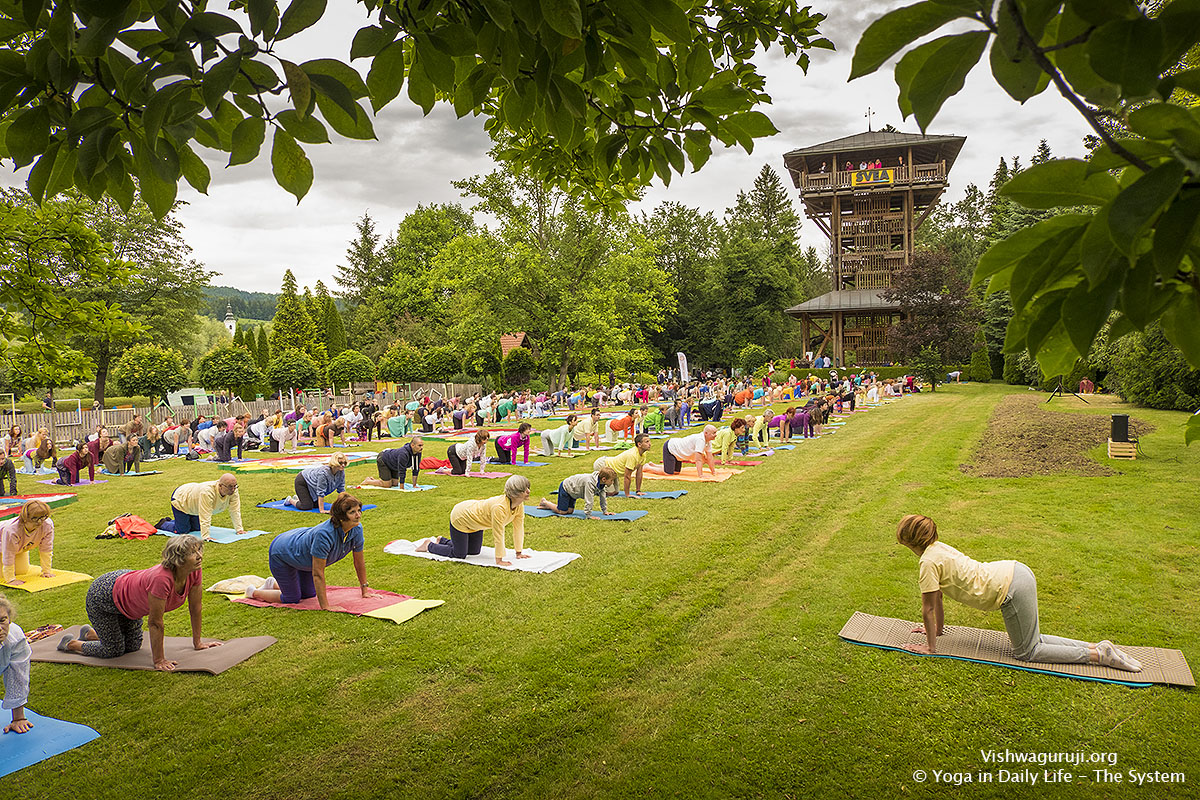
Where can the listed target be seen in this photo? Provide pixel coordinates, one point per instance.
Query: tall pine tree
(364, 269)
(262, 349)
(239, 338)
(330, 321)
(292, 326)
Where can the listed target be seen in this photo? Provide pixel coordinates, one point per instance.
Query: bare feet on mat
(546, 505)
(423, 545)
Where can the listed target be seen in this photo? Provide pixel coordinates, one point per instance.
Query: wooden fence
(72, 423)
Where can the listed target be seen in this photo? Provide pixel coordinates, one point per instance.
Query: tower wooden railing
(901, 176)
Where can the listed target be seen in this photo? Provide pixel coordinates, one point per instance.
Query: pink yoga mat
(55, 482)
(348, 597)
(475, 474)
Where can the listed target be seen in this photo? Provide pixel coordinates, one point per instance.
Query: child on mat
(726, 440)
(298, 558)
(1007, 586)
(15, 655)
(70, 467)
(586, 486)
(469, 518)
(117, 602)
(30, 529)
(38, 448)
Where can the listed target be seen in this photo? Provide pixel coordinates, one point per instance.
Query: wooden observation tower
(870, 216)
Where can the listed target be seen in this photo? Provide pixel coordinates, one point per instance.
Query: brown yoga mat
(1159, 665)
(214, 660)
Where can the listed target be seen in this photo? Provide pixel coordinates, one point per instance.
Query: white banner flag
(683, 370)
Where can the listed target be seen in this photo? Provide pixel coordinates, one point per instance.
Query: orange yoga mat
(655, 472)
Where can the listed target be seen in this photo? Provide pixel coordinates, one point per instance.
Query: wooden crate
(1126, 450)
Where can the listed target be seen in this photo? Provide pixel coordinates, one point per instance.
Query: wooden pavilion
(870, 215)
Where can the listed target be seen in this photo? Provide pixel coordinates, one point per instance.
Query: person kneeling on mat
(31, 528)
(117, 601)
(1005, 585)
(508, 444)
(15, 656)
(313, 484)
(393, 465)
(469, 518)
(696, 448)
(586, 486)
(193, 506)
(630, 463)
(298, 558)
(462, 454)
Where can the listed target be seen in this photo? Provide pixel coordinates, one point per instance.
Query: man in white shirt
(696, 448)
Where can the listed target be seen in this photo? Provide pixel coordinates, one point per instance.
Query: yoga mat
(385, 605)
(49, 737)
(689, 474)
(293, 463)
(220, 535)
(993, 647)
(80, 483)
(39, 471)
(742, 463)
(449, 474)
(34, 582)
(675, 494)
(12, 504)
(214, 660)
(622, 516)
(538, 561)
(520, 463)
(131, 474)
(279, 505)
(419, 487)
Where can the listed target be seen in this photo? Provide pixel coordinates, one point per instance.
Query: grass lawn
(693, 653)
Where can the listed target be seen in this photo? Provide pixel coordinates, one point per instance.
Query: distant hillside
(246, 305)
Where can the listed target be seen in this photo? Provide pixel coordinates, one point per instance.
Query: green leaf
(120, 184)
(291, 166)
(248, 138)
(86, 120)
(1176, 231)
(1045, 267)
(1085, 311)
(756, 124)
(219, 78)
(28, 135)
(386, 76)
(369, 41)
(1181, 324)
(500, 12)
(1193, 429)
(211, 24)
(61, 31)
(722, 98)
(264, 17)
(1180, 24)
(1128, 53)
(1060, 182)
(1098, 12)
(420, 88)
(344, 74)
(308, 129)
(564, 17)
(1020, 77)
(1103, 158)
(352, 127)
(298, 86)
(1005, 254)
(39, 174)
(1141, 300)
(944, 67)
(890, 33)
(1162, 121)
(1098, 254)
(195, 171)
(156, 183)
(1137, 206)
(160, 104)
(668, 19)
(300, 14)
(699, 65)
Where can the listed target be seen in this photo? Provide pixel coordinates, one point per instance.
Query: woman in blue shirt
(315, 483)
(298, 558)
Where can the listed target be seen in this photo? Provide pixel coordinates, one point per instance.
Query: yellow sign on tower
(872, 177)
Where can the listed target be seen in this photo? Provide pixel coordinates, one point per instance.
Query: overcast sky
(249, 230)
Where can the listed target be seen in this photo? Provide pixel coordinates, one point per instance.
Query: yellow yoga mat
(34, 582)
(405, 610)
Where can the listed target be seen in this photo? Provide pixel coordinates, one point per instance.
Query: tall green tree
(686, 242)
(364, 269)
(292, 328)
(335, 331)
(593, 96)
(239, 337)
(150, 370)
(262, 347)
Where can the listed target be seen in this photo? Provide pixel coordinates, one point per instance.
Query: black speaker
(1120, 428)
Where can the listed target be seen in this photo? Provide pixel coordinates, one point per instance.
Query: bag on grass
(131, 526)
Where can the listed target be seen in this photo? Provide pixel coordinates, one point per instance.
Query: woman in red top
(117, 601)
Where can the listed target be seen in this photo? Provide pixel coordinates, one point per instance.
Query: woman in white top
(560, 439)
(462, 454)
(1005, 585)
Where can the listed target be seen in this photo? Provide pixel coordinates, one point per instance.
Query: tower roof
(229, 311)
(886, 145)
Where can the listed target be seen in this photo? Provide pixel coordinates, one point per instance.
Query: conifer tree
(239, 339)
(292, 326)
(262, 350)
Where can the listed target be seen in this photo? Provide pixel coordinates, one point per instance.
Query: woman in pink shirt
(117, 601)
(508, 444)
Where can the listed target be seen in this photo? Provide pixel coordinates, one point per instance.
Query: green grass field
(693, 653)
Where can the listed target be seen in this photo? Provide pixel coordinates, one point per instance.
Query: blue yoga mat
(672, 495)
(220, 535)
(48, 738)
(624, 516)
(279, 505)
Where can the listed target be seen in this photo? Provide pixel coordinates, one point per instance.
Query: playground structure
(871, 217)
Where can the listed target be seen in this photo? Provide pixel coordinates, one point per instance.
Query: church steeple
(230, 320)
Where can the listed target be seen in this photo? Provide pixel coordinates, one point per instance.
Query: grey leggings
(118, 633)
(1021, 621)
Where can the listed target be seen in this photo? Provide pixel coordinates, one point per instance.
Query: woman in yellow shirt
(1005, 585)
(469, 518)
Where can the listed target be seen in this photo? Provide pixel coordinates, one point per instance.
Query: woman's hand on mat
(334, 608)
(164, 665)
(206, 645)
(240, 533)
(47, 573)
(524, 555)
(15, 582)
(922, 648)
(21, 725)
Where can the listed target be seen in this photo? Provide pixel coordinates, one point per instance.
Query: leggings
(457, 465)
(459, 545)
(503, 456)
(118, 633)
(183, 522)
(1021, 621)
(64, 476)
(304, 498)
(10, 469)
(671, 464)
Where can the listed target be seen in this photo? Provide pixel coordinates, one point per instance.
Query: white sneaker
(292, 501)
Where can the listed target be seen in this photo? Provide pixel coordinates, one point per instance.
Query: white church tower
(230, 321)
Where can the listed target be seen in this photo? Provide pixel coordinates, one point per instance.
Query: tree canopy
(594, 96)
